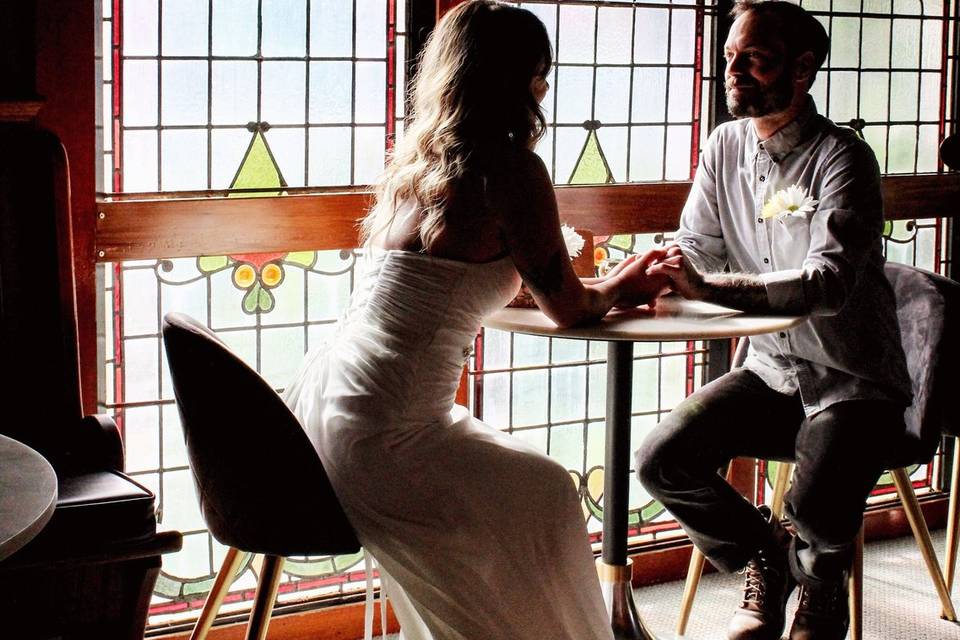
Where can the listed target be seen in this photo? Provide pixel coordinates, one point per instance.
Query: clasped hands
(644, 278)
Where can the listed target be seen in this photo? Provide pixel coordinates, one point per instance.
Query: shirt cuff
(784, 289)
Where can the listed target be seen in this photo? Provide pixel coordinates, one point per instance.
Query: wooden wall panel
(132, 228)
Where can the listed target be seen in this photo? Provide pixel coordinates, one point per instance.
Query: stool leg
(265, 598)
(780, 484)
(912, 508)
(856, 589)
(221, 585)
(694, 571)
(953, 523)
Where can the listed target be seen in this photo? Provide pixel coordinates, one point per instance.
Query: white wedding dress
(481, 537)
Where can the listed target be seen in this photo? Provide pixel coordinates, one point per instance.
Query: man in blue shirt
(785, 216)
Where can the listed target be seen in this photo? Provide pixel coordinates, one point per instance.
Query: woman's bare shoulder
(518, 173)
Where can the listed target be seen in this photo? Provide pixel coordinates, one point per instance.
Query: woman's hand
(636, 286)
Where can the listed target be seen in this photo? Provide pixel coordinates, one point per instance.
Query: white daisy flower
(573, 240)
(792, 201)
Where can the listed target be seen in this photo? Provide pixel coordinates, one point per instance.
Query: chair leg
(694, 571)
(912, 508)
(953, 523)
(780, 484)
(856, 589)
(265, 598)
(228, 570)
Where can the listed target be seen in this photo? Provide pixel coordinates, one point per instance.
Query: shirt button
(762, 178)
(766, 261)
(760, 220)
(783, 334)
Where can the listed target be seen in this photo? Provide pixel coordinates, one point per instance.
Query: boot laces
(826, 600)
(756, 574)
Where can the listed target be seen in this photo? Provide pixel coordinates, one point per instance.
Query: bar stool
(927, 308)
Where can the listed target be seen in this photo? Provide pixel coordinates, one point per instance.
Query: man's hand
(682, 276)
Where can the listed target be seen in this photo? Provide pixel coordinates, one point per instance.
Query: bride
(478, 535)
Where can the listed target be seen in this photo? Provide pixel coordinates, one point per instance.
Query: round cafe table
(28, 494)
(673, 319)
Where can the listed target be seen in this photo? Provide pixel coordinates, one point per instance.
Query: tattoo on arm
(738, 291)
(548, 279)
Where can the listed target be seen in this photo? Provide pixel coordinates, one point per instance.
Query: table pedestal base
(618, 596)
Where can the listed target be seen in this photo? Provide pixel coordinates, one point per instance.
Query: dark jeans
(839, 455)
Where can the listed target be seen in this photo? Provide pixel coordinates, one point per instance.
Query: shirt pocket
(790, 240)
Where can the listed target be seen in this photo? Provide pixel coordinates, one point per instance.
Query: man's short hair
(801, 31)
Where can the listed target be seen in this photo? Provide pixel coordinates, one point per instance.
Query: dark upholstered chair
(928, 311)
(280, 505)
(90, 572)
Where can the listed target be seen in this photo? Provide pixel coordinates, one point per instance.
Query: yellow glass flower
(244, 276)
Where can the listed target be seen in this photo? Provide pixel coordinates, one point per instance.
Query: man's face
(759, 75)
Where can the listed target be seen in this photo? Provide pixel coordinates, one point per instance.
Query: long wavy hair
(471, 103)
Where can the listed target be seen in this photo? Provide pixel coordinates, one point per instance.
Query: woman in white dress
(479, 535)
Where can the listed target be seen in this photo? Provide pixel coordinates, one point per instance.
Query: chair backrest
(261, 485)
(38, 331)
(927, 307)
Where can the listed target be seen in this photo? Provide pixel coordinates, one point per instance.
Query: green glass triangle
(623, 241)
(258, 170)
(592, 167)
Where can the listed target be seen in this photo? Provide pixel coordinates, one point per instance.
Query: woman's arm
(522, 198)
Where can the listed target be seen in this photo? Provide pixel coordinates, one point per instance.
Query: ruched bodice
(461, 516)
(415, 317)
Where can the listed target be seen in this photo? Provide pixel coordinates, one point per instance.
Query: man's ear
(803, 69)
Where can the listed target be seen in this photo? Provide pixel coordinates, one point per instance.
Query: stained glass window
(630, 85)
(266, 97)
(629, 88)
(257, 97)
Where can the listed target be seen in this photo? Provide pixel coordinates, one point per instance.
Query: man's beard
(772, 99)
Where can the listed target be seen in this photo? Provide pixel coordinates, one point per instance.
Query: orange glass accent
(272, 274)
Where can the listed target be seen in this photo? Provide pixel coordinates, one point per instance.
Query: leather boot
(824, 612)
(767, 586)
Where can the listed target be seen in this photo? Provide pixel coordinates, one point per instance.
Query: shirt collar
(779, 145)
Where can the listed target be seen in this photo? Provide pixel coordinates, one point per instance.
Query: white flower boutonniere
(792, 201)
(573, 240)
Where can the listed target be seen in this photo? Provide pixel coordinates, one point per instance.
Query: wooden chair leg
(780, 484)
(953, 523)
(856, 589)
(694, 571)
(915, 517)
(228, 570)
(265, 598)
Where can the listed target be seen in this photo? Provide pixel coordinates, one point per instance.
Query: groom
(784, 216)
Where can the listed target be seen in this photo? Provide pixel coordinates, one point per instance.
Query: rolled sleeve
(785, 290)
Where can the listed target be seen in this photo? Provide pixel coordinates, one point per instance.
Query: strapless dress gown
(478, 535)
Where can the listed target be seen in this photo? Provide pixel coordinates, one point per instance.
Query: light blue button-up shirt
(826, 262)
